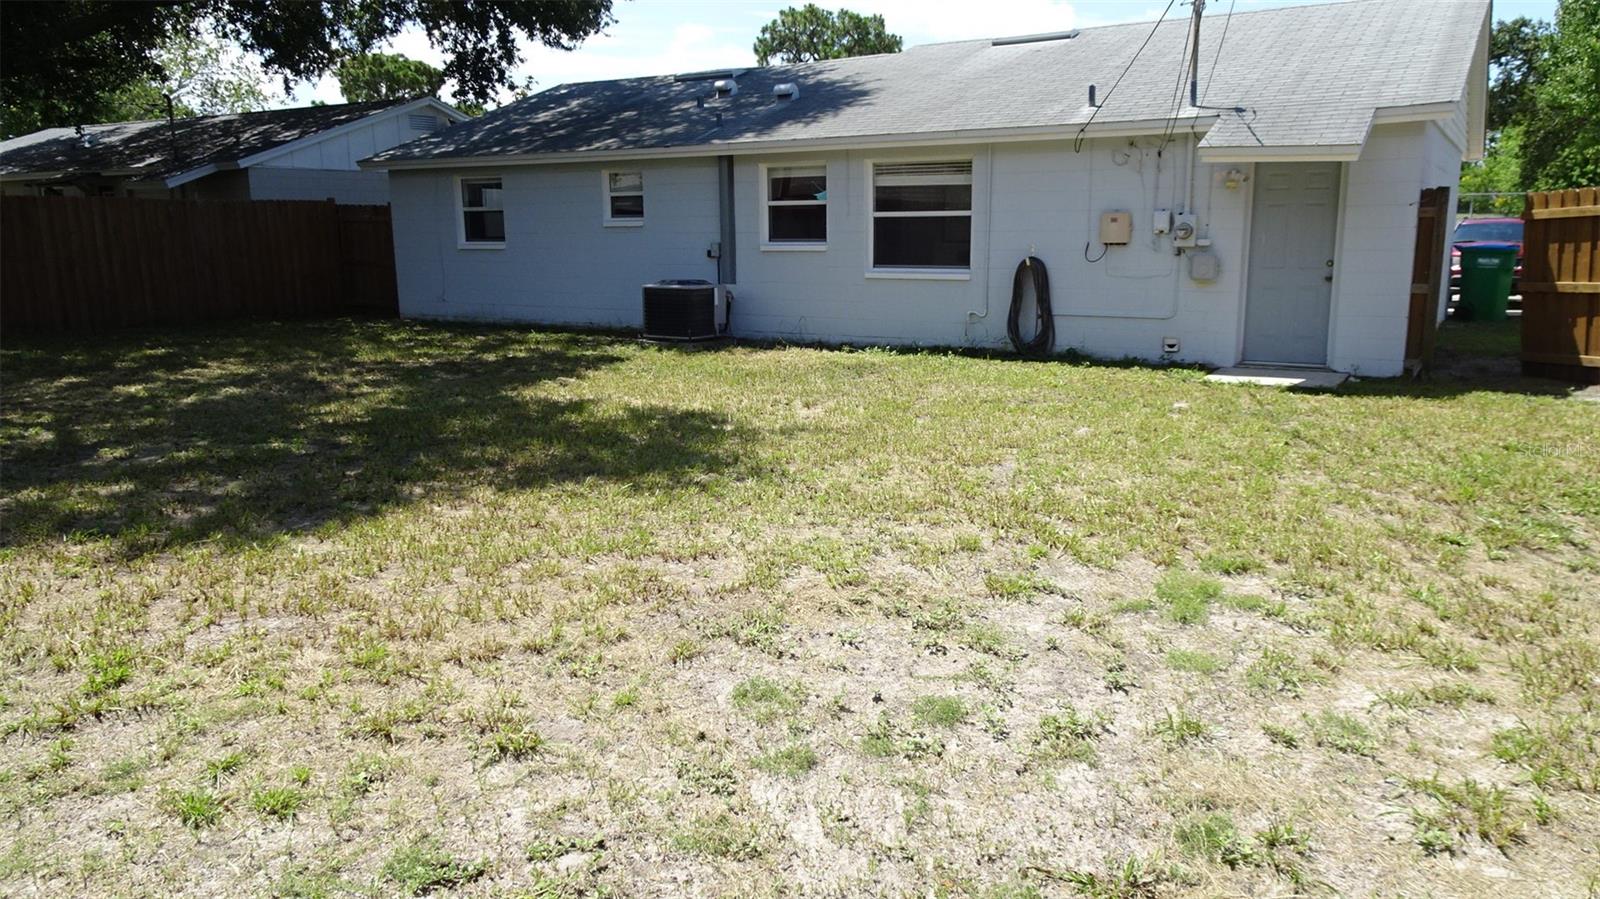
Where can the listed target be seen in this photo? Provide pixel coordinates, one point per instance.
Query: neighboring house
(889, 199)
(283, 154)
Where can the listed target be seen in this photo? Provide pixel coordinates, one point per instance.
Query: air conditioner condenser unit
(686, 310)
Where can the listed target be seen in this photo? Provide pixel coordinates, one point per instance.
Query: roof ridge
(215, 116)
(1110, 25)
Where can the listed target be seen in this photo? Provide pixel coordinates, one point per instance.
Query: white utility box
(1116, 227)
(1204, 266)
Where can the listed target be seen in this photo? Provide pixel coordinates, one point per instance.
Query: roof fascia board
(317, 137)
(70, 173)
(886, 141)
(1328, 153)
(210, 168)
(1477, 90)
(1417, 112)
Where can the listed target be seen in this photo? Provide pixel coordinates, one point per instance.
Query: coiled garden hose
(1044, 329)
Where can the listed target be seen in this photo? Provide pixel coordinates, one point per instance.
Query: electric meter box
(1185, 231)
(1116, 227)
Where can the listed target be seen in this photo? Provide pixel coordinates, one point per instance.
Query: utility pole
(1194, 54)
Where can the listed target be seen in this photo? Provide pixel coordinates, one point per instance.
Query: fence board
(1561, 261)
(97, 263)
(1427, 276)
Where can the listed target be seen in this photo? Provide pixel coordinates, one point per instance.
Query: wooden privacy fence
(1561, 285)
(94, 263)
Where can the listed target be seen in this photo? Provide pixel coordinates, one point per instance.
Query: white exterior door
(1292, 225)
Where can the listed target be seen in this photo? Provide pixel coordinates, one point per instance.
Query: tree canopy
(202, 75)
(1561, 122)
(386, 76)
(811, 32)
(62, 63)
(1544, 105)
(1515, 50)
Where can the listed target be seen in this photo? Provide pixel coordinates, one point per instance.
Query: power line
(1177, 93)
(1220, 41)
(1077, 141)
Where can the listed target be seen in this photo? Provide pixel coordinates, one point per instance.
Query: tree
(1561, 122)
(1544, 105)
(1500, 172)
(202, 75)
(61, 62)
(811, 32)
(1516, 49)
(386, 76)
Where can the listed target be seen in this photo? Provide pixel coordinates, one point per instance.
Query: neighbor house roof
(159, 150)
(1307, 77)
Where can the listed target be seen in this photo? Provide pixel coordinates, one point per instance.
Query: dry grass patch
(388, 608)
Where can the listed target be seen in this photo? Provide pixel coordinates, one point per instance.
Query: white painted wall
(326, 166)
(1372, 277)
(1042, 196)
(343, 149)
(560, 265)
(1444, 150)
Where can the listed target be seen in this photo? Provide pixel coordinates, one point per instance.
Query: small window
(797, 204)
(421, 121)
(483, 217)
(624, 198)
(922, 215)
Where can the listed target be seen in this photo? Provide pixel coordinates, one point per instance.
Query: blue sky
(653, 37)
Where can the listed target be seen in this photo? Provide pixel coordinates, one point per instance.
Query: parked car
(1496, 230)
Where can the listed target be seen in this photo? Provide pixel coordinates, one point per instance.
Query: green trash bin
(1486, 270)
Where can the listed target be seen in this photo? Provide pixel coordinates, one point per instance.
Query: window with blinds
(483, 217)
(797, 205)
(624, 198)
(922, 215)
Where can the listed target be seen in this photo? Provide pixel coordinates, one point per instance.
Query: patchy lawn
(381, 608)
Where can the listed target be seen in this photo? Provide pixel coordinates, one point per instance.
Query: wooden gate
(366, 259)
(1427, 276)
(1561, 285)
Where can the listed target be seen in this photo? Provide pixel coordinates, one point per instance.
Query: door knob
(1328, 278)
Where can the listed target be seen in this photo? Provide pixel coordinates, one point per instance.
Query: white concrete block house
(888, 199)
(306, 153)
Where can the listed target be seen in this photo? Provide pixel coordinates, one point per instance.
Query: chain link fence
(1478, 205)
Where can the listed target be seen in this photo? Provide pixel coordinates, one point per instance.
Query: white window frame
(462, 209)
(791, 246)
(915, 273)
(606, 218)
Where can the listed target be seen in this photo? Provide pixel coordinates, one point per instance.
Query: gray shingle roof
(153, 149)
(1307, 75)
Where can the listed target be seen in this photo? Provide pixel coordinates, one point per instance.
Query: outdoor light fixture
(1232, 178)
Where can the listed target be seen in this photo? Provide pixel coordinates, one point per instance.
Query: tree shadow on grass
(158, 439)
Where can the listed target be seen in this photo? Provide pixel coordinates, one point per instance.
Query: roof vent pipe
(725, 87)
(788, 90)
(1034, 38)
